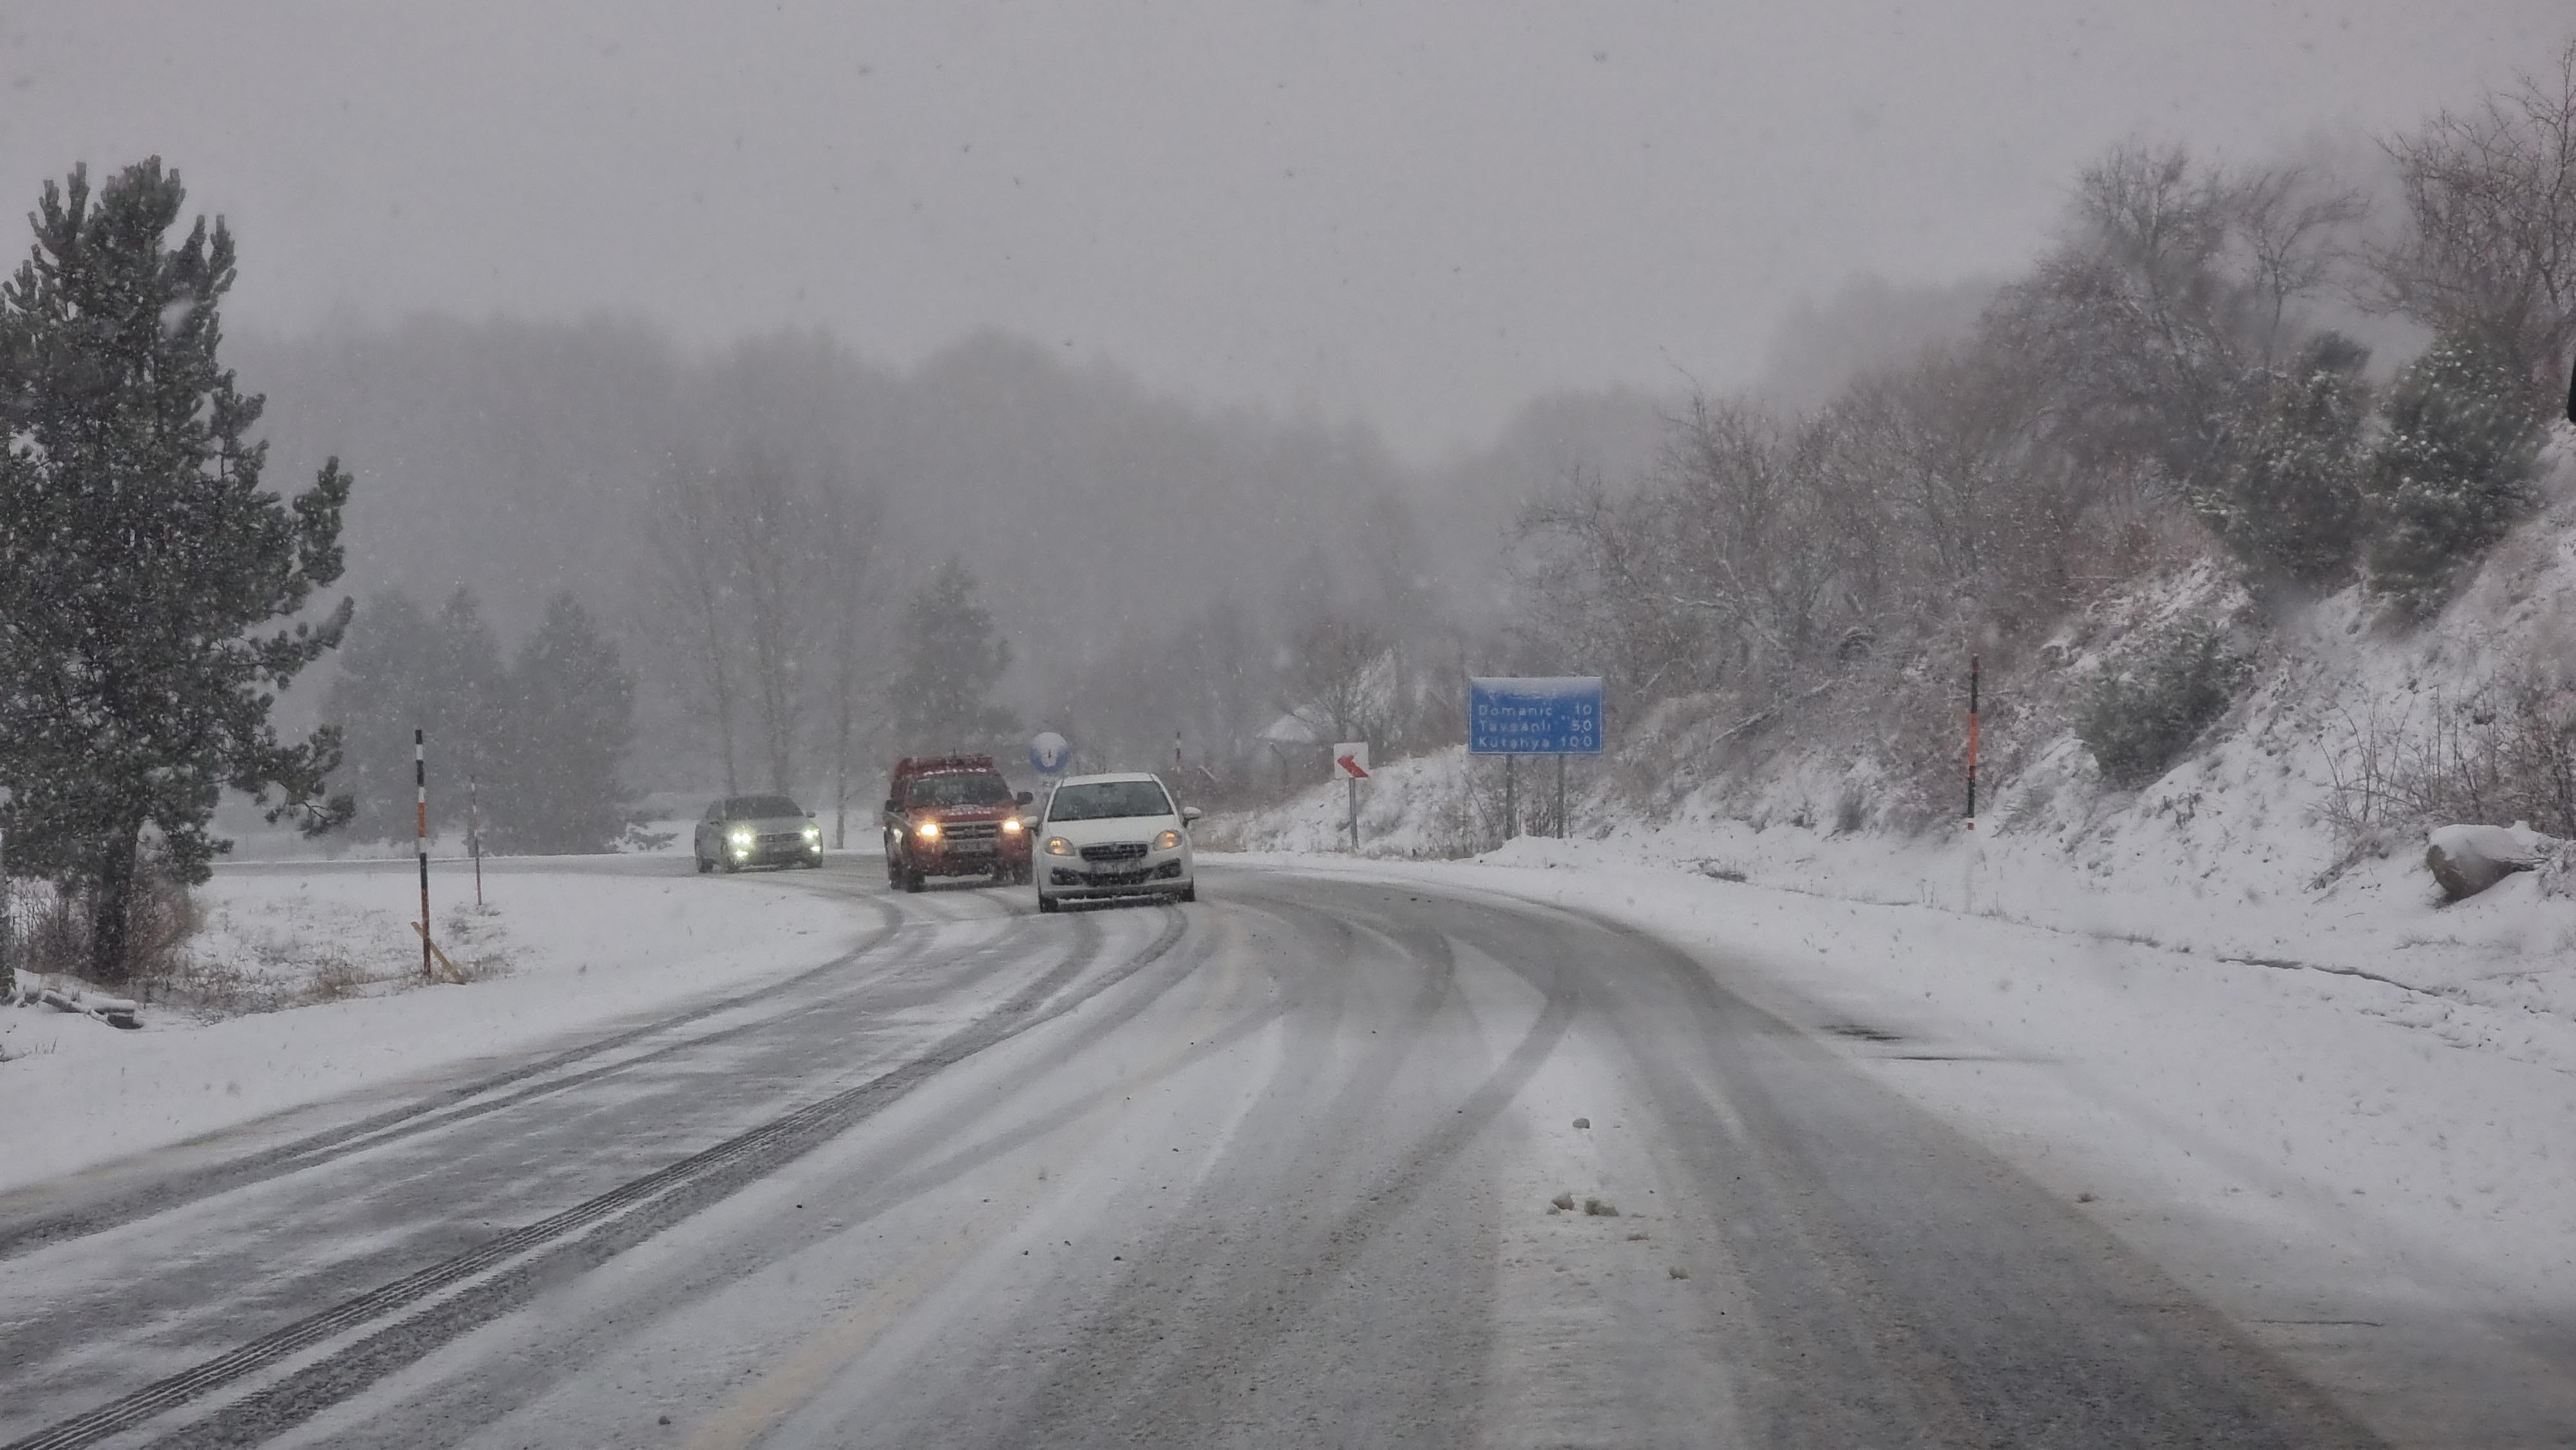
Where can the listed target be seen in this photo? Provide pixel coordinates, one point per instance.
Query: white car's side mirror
(1190, 813)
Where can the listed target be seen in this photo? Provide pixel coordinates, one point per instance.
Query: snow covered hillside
(2281, 835)
(2249, 945)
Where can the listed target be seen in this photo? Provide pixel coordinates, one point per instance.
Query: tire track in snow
(415, 1117)
(924, 1159)
(576, 1239)
(1175, 1380)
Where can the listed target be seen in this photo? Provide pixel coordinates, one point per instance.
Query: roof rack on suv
(934, 764)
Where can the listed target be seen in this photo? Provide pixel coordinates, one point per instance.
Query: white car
(1113, 835)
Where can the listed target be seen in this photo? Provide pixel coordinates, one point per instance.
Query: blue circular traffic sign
(1049, 753)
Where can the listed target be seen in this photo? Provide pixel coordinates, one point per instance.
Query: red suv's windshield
(958, 790)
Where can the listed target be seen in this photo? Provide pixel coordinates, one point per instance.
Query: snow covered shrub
(11, 913)
(2289, 502)
(2452, 474)
(1851, 810)
(1466, 817)
(2139, 718)
(2502, 754)
(54, 926)
(2540, 758)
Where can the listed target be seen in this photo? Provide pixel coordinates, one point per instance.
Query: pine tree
(952, 659)
(376, 701)
(2453, 473)
(2139, 718)
(145, 577)
(465, 707)
(572, 722)
(2290, 503)
(403, 669)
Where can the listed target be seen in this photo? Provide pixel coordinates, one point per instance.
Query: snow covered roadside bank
(2317, 1153)
(562, 950)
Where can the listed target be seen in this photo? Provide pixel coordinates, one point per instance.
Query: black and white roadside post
(1968, 866)
(1350, 762)
(1512, 716)
(420, 784)
(474, 834)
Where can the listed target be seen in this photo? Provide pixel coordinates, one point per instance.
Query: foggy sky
(1419, 215)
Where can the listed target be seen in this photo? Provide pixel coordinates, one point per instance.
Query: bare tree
(845, 535)
(740, 552)
(767, 527)
(2489, 251)
(1332, 677)
(1597, 574)
(2294, 229)
(692, 578)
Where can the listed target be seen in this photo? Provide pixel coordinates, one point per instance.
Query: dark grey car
(756, 830)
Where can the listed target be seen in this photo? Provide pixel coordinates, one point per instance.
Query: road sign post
(1350, 762)
(1513, 716)
(474, 834)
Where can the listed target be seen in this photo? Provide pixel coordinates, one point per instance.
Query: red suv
(953, 815)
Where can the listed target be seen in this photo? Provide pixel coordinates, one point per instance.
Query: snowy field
(559, 950)
(2381, 1121)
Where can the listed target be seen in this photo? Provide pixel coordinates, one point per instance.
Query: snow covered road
(1280, 1168)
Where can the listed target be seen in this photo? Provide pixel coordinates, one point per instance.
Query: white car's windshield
(761, 808)
(1102, 800)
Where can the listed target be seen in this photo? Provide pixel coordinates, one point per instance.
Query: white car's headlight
(927, 830)
(813, 833)
(1059, 846)
(1168, 841)
(742, 837)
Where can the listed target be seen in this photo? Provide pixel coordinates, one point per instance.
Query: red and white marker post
(1350, 762)
(420, 783)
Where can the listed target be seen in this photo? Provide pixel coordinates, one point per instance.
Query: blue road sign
(1534, 715)
(1049, 753)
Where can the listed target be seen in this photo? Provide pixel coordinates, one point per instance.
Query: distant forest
(1150, 563)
